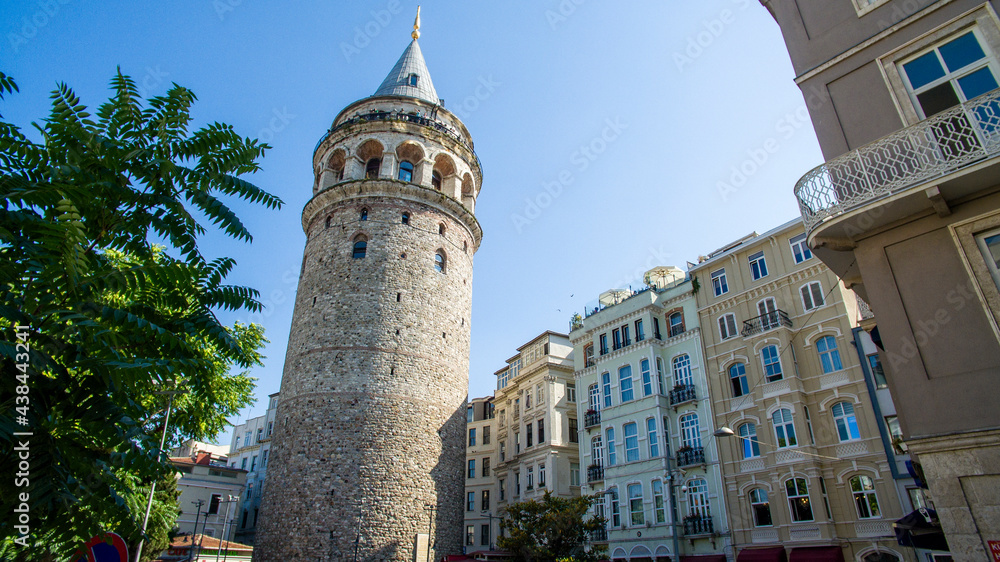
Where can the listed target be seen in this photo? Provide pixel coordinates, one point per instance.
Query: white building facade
(249, 451)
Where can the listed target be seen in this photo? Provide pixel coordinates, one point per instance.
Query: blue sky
(614, 136)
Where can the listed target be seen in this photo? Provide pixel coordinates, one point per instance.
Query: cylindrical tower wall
(370, 427)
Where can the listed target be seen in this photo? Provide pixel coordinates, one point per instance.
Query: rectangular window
(636, 513)
(574, 474)
(470, 501)
(539, 395)
(772, 363)
(484, 500)
(639, 333)
(486, 466)
(253, 463)
(484, 534)
(625, 383)
(529, 433)
(243, 465)
(503, 451)
(260, 434)
(800, 249)
(469, 415)
(213, 505)
(727, 326)
(541, 431)
(798, 499)
(656, 328)
(625, 337)
(574, 431)
(472, 437)
(659, 511)
(631, 442)
(604, 344)
(501, 489)
(612, 457)
(758, 267)
(486, 435)
(263, 460)
(647, 379)
(719, 283)
(588, 355)
(606, 389)
(517, 484)
(950, 73)
(654, 445)
(571, 393)
(527, 399)
(812, 295)
(541, 476)
(472, 468)
(875, 364)
(896, 435)
(616, 338)
(616, 518)
(470, 534)
(531, 478)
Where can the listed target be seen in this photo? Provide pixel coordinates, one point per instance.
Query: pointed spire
(410, 76)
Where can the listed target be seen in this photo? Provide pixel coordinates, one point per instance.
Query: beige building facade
(481, 520)
(906, 210)
(209, 491)
(806, 475)
(249, 451)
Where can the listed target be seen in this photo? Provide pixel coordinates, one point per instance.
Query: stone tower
(368, 448)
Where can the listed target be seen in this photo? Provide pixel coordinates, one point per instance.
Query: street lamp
(225, 525)
(430, 528)
(152, 488)
(489, 514)
(194, 535)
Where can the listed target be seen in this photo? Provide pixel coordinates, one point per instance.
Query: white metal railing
(932, 148)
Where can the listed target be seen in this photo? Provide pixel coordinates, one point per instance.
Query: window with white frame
(472, 468)
(659, 375)
(530, 482)
(697, 496)
(949, 73)
(470, 501)
(681, 367)
(640, 333)
(800, 248)
(574, 474)
(772, 363)
(527, 399)
(541, 475)
(749, 444)
(616, 518)
(738, 379)
(529, 435)
(594, 397)
(612, 457)
(719, 283)
(596, 451)
(631, 431)
(812, 295)
(659, 509)
(784, 428)
(989, 246)
(847, 424)
(865, 6)
(654, 445)
(690, 430)
(727, 326)
(606, 387)
(625, 383)
(758, 266)
(676, 324)
(636, 513)
(797, 490)
(571, 393)
(760, 507)
(647, 379)
(865, 500)
(768, 311)
(829, 355)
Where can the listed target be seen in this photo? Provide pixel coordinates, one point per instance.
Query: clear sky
(614, 136)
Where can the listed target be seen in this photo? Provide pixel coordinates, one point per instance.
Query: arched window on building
(440, 262)
(360, 247)
(372, 168)
(406, 171)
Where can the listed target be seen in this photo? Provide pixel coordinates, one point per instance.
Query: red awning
(770, 554)
(704, 558)
(817, 554)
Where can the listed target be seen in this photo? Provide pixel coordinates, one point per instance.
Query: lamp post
(194, 535)
(152, 488)
(430, 528)
(489, 514)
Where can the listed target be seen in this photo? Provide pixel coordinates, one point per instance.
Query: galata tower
(368, 447)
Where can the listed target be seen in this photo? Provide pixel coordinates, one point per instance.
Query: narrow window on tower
(372, 168)
(406, 218)
(364, 215)
(440, 262)
(413, 80)
(436, 180)
(441, 229)
(405, 171)
(360, 247)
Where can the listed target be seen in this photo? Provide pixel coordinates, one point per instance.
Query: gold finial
(416, 25)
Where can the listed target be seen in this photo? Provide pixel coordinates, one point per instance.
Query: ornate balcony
(690, 455)
(598, 535)
(676, 331)
(698, 525)
(765, 322)
(681, 394)
(595, 473)
(931, 149)
(591, 418)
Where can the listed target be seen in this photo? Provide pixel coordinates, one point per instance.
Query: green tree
(96, 317)
(550, 529)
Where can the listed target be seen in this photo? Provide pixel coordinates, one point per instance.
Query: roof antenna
(416, 26)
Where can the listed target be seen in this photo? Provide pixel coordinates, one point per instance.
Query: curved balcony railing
(598, 535)
(765, 322)
(698, 525)
(691, 455)
(682, 394)
(595, 473)
(591, 418)
(932, 148)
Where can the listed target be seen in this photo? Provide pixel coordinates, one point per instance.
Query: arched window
(406, 218)
(406, 171)
(760, 507)
(651, 438)
(329, 221)
(738, 379)
(360, 247)
(647, 380)
(440, 262)
(865, 500)
(880, 557)
(465, 246)
(606, 389)
(698, 498)
(637, 515)
(676, 324)
(748, 440)
(616, 518)
(625, 383)
(596, 451)
(436, 180)
(364, 214)
(413, 80)
(690, 431)
(829, 355)
(847, 424)
(372, 167)
(772, 363)
(612, 456)
(682, 370)
(784, 428)
(442, 229)
(631, 442)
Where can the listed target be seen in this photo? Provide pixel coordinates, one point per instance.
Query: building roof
(398, 81)
(207, 542)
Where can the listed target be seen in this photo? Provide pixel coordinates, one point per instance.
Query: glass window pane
(938, 99)
(923, 70)
(961, 52)
(977, 83)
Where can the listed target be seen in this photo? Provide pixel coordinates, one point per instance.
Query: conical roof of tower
(399, 81)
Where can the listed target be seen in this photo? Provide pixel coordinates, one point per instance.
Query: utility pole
(194, 535)
(225, 525)
(430, 527)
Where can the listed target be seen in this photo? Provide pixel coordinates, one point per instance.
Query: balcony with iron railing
(591, 418)
(690, 456)
(676, 331)
(598, 535)
(937, 151)
(681, 394)
(766, 322)
(595, 473)
(697, 524)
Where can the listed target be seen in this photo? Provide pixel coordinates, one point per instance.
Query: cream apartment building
(646, 439)
(249, 451)
(537, 423)
(481, 521)
(806, 475)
